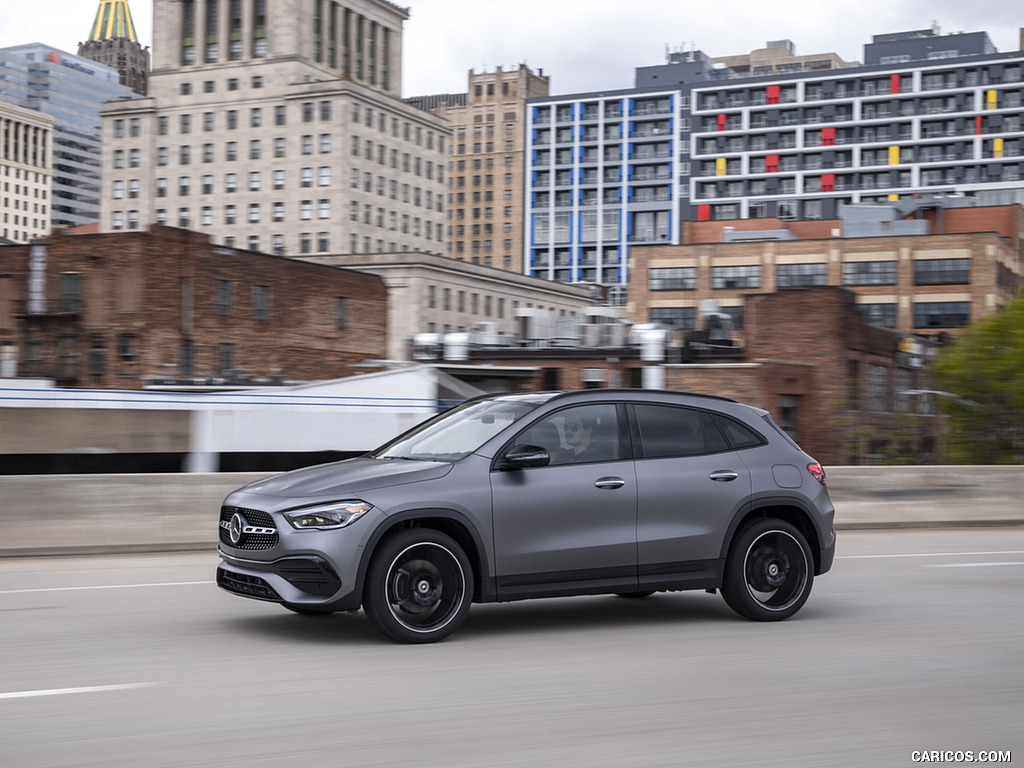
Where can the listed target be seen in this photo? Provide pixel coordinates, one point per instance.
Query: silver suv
(509, 497)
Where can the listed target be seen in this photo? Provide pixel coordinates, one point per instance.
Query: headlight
(326, 516)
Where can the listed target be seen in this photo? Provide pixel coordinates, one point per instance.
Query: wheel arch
(446, 521)
(789, 509)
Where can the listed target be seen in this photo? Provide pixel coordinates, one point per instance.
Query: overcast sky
(589, 45)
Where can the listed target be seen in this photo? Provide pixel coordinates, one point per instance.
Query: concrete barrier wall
(82, 514)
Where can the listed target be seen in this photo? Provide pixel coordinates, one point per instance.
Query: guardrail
(45, 515)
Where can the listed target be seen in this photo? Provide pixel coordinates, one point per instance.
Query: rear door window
(672, 431)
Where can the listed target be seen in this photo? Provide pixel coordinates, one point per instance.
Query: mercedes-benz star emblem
(237, 528)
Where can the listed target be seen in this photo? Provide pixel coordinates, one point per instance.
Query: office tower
(278, 127)
(71, 90)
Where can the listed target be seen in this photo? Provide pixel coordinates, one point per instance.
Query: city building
(123, 310)
(113, 41)
(927, 114)
(485, 174)
(928, 266)
(71, 90)
(849, 392)
(776, 57)
(437, 295)
(693, 141)
(281, 130)
(26, 171)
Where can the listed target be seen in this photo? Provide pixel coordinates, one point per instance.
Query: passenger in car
(583, 445)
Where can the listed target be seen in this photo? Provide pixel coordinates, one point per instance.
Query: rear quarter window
(739, 435)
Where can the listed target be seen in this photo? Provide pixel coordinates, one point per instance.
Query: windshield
(457, 433)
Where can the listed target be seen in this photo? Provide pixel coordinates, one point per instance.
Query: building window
(794, 275)
(941, 314)
(733, 278)
(942, 272)
(261, 302)
(673, 279)
(878, 388)
(69, 292)
(880, 315)
(340, 312)
(676, 318)
(226, 359)
(869, 273)
(223, 297)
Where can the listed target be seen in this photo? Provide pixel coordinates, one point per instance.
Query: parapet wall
(44, 515)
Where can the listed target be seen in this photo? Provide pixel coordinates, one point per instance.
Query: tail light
(817, 471)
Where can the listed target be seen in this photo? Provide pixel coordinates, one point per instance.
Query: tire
(419, 586)
(769, 573)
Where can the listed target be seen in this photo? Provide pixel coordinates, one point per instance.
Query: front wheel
(769, 572)
(419, 586)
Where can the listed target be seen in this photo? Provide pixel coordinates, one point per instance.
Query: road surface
(913, 644)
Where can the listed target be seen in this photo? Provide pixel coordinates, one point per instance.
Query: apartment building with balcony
(696, 141)
(601, 174)
(926, 114)
(278, 127)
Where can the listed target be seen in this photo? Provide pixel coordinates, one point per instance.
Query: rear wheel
(419, 586)
(769, 572)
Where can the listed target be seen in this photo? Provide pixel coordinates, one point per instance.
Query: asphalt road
(914, 642)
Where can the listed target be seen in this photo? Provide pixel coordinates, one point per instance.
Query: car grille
(266, 538)
(243, 584)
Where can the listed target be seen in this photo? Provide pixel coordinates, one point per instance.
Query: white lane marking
(106, 586)
(65, 691)
(931, 554)
(971, 565)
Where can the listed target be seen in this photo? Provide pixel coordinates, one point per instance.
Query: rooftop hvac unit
(426, 346)
(486, 334)
(532, 325)
(591, 335)
(613, 335)
(456, 346)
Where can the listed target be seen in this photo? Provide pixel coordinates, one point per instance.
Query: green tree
(982, 373)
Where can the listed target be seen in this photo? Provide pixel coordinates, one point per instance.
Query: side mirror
(523, 457)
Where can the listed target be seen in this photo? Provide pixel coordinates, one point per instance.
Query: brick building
(124, 309)
(847, 391)
(931, 272)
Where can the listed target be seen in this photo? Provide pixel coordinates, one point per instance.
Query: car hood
(348, 478)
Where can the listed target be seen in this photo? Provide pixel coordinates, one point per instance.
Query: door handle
(723, 475)
(609, 483)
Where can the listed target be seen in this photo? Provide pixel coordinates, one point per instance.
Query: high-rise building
(926, 114)
(794, 139)
(113, 41)
(278, 127)
(26, 168)
(485, 174)
(71, 90)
